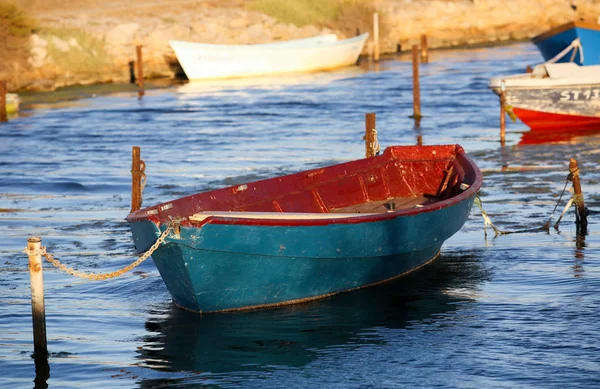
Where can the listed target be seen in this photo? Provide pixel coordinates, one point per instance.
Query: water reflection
(292, 336)
(540, 136)
(579, 255)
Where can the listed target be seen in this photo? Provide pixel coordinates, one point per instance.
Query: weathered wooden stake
(371, 143)
(416, 90)
(137, 170)
(140, 71)
(38, 312)
(580, 210)
(376, 36)
(502, 118)
(418, 131)
(424, 53)
(3, 117)
(132, 78)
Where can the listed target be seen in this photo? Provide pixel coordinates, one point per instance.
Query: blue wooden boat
(577, 42)
(311, 234)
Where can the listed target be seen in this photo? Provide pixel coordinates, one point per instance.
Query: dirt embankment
(90, 41)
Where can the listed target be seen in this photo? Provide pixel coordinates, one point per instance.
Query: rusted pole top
(137, 174)
(38, 310)
(371, 142)
(140, 71)
(3, 117)
(416, 87)
(424, 49)
(502, 114)
(580, 210)
(376, 36)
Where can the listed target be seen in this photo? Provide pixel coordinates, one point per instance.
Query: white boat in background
(12, 103)
(201, 61)
(554, 96)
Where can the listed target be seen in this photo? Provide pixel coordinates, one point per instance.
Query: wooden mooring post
(137, 173)
(38, 311)
(376, 36)
(502, 114)
(424, 49)
(580, 210)
(3, 117)
(416, 88)
(371, 142)
(140, 72)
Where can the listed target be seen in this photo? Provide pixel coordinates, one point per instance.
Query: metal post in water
(132, 79)
(580, 210)
(502, 113)
(502, 119)
(140, 71)
(376, 36)
(371, 145)
(136, 178)
(424, 53)
(3, 117)
(38, 311)
(416, 90)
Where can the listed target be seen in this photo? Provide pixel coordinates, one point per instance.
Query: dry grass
(357, 16)
(88, 57)
(346, 16)
(15, 27)
(298, 12)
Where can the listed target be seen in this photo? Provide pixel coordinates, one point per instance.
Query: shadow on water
(293, 336)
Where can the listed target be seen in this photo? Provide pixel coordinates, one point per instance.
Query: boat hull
(558, 107)
(553, 42)
(220, 267)
(206, 61)
(12, 103)
(556, 121)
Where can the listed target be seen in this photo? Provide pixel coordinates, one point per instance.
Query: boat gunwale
(292, 45)
(564, 27)
(158, 220)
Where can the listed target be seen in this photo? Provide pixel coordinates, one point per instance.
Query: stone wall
(88, 48)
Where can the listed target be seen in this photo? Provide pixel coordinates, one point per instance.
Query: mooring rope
(575, 45)
(105, 276)
(546, 227)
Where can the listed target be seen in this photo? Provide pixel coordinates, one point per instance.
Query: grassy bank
(343, 15)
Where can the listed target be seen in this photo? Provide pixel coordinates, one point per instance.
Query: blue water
(516, 311)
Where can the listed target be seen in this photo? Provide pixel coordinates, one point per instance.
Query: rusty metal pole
(376, 36)
(38, 311)
(371, 144)
(3, 117)
(502, 113)
(140, 72)
(137, 169)
(424, 53)
(416, 90)
(502, 119)
(580, 210)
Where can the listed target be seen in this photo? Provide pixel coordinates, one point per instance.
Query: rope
(575, 46)
(104, 276)
(547, 224)
(546, 227)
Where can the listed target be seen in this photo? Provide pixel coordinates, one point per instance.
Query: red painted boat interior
(434, 172)
(552, 121)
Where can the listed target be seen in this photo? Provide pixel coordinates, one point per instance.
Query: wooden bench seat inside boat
(368, 208)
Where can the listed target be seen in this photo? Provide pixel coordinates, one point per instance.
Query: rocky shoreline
(95, 44)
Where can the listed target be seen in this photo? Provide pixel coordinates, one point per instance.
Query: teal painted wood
(220, 267)
(552, 45)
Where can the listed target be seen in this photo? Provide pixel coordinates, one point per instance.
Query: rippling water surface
(516, 311)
